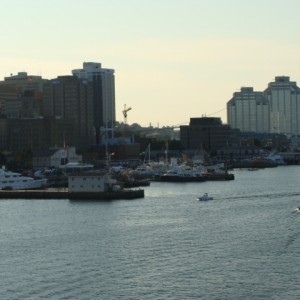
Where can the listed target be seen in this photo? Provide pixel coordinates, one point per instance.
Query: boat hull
(219, 176)
(30, 185)
(205, 198)
(169, 178)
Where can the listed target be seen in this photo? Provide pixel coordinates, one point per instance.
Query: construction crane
(125, 113)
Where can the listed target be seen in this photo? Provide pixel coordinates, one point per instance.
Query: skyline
(172, 61)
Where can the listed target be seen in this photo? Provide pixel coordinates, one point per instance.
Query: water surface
(244, 244)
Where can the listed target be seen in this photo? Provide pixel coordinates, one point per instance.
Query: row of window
(11, 181)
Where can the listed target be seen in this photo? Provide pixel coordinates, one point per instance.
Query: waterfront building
(248, 111)
(284, 100)
(54, 157)
(238, 152)
(204, 133)
(89, 182)
(103, 81)
(275, 110)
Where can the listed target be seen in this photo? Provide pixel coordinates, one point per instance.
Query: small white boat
(205, 197)
(297, 210)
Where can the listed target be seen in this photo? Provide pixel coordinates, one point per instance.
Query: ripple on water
(242, 245)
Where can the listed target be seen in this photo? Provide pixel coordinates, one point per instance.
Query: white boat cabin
(89, 182)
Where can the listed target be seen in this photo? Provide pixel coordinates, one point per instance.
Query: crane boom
(125, 110)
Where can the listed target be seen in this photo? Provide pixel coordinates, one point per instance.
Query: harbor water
(243, 244)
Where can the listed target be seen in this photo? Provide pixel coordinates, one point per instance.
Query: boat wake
(269, 195)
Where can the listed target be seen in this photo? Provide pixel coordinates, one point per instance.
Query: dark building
(60, 133)
(25, 134)
(21, 126)
(8, 93)
(97, 106)
(204, 133)
(70, 100)
(238, 152)
(27, 105)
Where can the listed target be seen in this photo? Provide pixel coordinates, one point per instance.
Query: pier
(56, 194)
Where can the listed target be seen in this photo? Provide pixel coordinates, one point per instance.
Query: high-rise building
(69, 99)
(275, 110)
(8, 93)
(25, 106)
(103, 81)
(248, 111)
(284, 101)
(21, 123)
(23, 133)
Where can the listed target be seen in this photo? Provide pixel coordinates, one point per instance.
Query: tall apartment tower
(103, 81)
(248, 111)
(284, 98)
(68, 104)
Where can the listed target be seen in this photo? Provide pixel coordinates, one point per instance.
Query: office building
(68, 100)
(103, 81)
(204, 133)
(24, 134)
(248, 111)
(275, 110)
(284, 100)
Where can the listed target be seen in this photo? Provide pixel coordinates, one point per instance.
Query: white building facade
(88, 182)
(248, 111)
(284, 100)
(54, 157)
(275, 110)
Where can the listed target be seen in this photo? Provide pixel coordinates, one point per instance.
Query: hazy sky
(173, 59)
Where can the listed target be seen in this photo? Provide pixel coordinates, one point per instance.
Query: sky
(173, 59)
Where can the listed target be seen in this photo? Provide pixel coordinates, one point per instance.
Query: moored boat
(181, 176)
(16, 181)
(135, 183)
